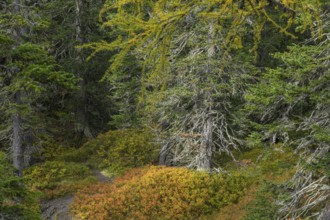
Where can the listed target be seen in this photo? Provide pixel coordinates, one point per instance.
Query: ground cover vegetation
(165, 109)
(159, 193)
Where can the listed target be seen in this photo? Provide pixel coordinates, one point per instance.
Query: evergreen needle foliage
(208, 85)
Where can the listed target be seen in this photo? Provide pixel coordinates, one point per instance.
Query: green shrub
(52, 173)
(125, 148)
(84, 154)
(16, 201)
(276, 160)
(114, 170)
(68, 187)
(264, 206)
(51, 148)
(159, 193)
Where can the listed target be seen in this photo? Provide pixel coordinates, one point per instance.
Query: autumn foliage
(156, 192)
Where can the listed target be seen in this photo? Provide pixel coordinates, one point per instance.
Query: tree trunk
(82, 125)
(78, 21)
(205, 155)
(17, 141)
(163, 155)
(82, 122)
(17, 138)
(325, 213)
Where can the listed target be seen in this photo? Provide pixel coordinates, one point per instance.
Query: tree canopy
(231, 94)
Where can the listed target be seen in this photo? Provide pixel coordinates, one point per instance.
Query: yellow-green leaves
(149, 27)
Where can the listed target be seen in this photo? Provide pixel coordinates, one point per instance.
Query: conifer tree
(291, 105)
(187, 67)
(72, 24)
(27, 74)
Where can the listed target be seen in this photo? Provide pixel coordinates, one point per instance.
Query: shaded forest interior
(165, 109)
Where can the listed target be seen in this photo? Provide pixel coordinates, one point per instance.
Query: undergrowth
(124, 148)
(268, 168)
(159, 193)
(57, 178)
(17, 202)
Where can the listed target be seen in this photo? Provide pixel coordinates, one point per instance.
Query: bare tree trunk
(82, 125)
(17, 138)
(205, 155)
(78, 20)
(17, 141)
(163, 155)
(325, 213)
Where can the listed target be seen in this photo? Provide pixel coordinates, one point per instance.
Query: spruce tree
(28, 73)
(185, 49)
(290, 105)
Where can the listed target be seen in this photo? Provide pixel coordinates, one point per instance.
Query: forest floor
(59, 208)
(265, 167)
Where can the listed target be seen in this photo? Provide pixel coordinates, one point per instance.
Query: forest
(165, 109)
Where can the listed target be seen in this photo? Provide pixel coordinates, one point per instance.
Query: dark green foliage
(292, 91)
(321, 165)
(210, 78)
(16, 201)
(92, 98)
(291, 105)
(33, 74)
(11, 186)
(32, 82)
(38, 70)
(264, 206)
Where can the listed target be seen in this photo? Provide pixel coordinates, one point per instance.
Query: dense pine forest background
(165, 109)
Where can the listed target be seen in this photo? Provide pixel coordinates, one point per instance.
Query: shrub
(51, 149)
(16, 201)
(68, 187)
(114, 170)
(264, 206)
(52, 173)
(277, 160)
(85, 154)
(125, 148)
(159, 193)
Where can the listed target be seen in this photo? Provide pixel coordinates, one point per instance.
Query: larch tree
(191, 83)
(196, 110)
(185, 49)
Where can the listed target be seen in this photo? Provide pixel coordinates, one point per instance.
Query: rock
(57, 209)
